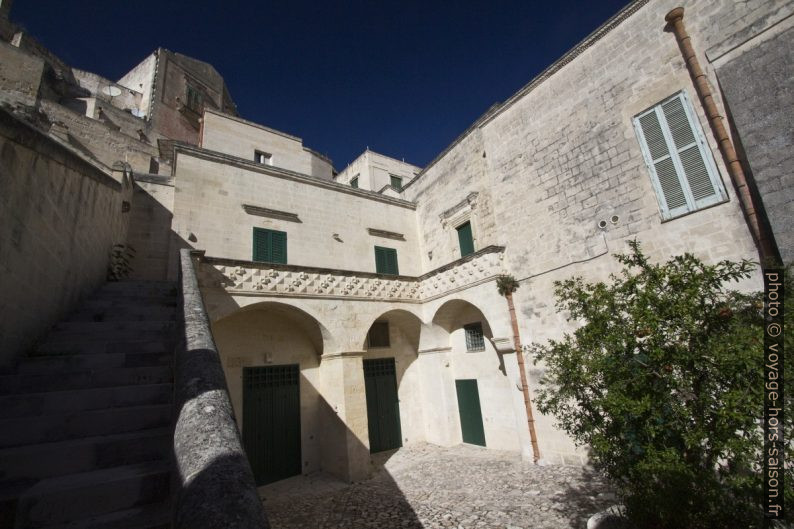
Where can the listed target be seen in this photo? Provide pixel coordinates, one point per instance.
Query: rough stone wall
(59, 217)
(127, 98)
(208, 213)
(20, 76)
(150, 227)
(237, 137)
(757, 85)
(99, 140)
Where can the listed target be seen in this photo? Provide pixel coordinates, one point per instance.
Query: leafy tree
(663, 380)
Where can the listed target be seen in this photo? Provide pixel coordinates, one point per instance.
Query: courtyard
(426, 486)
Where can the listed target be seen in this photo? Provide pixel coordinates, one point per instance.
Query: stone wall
(100, 140)
(326, 223)
(59, 218)
(20, 76)
(237, 137)
(150, 226)
(539, 172)
(757, 79)
(374, 171)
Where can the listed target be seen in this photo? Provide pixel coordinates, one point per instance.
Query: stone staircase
(85, 419)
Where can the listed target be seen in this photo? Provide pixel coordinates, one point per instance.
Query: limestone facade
(549, 184)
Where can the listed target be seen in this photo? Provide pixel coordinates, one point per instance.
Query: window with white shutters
(682, 168)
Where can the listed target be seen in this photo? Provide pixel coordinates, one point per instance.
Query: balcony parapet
(267, 279)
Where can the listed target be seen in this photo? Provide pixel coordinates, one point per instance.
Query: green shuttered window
(270, 246)
(679, 159)
(386, 261)
(396, 182)
(465, 239)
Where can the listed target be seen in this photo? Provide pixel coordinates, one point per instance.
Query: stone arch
(275, 334)
(451, 314)
(407, 321)
(320, 335)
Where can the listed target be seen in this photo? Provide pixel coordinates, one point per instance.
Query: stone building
(357, 311)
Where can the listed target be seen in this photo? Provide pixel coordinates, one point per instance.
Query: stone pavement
(424, 486)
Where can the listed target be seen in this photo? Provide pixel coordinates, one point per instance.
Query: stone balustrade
(267, 279)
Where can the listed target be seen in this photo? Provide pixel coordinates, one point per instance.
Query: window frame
(269, 245)
(471, 236)
(470, 345)
(691, 204)
(268, 157)
(392, 178)
(387, 251)
(194, 98)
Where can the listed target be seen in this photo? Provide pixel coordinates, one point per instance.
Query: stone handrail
(268, 279)
(215, 484)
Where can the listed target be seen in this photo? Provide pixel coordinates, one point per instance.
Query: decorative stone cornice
(274, 280)
(271, 213)
(386, 234)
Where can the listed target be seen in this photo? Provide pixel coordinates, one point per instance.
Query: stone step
(108, 335)
(124, 314)
(20, 431)
(55, 402)
(105, 327)
(151, 516)
(91, 378)
(163, 286)
(45, 460)
(82, 362)
(55, 348)
(78, 497)
(126, 300)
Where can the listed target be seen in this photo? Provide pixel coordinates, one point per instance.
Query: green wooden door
(383, 408)
(470, 413)
(271, 421)
(465, 239)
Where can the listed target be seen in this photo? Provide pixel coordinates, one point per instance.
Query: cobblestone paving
(424, 486)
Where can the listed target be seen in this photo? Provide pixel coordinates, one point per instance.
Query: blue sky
(402, 77)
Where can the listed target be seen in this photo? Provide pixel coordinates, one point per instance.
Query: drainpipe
(524, 385)
(763, 239)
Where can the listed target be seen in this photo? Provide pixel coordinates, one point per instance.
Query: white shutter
(682, 170)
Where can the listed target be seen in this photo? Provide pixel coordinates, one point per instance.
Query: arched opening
(484, 394)
(392, 381)
(271, 356)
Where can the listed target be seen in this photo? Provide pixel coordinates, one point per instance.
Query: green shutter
(471, 424)
(396, 182)
(386, 261)
(465, 239)
(682, 169)
(279, 247)
(271, 421)
(354, 183)
(261, 245)
(383, 405)
(270, 246)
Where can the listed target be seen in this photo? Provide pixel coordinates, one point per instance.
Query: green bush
(663, 380)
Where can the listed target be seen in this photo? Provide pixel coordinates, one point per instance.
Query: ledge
(216, 487)
(271, 213)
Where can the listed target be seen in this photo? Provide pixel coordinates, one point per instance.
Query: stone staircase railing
(267, 279)
(215, 485)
